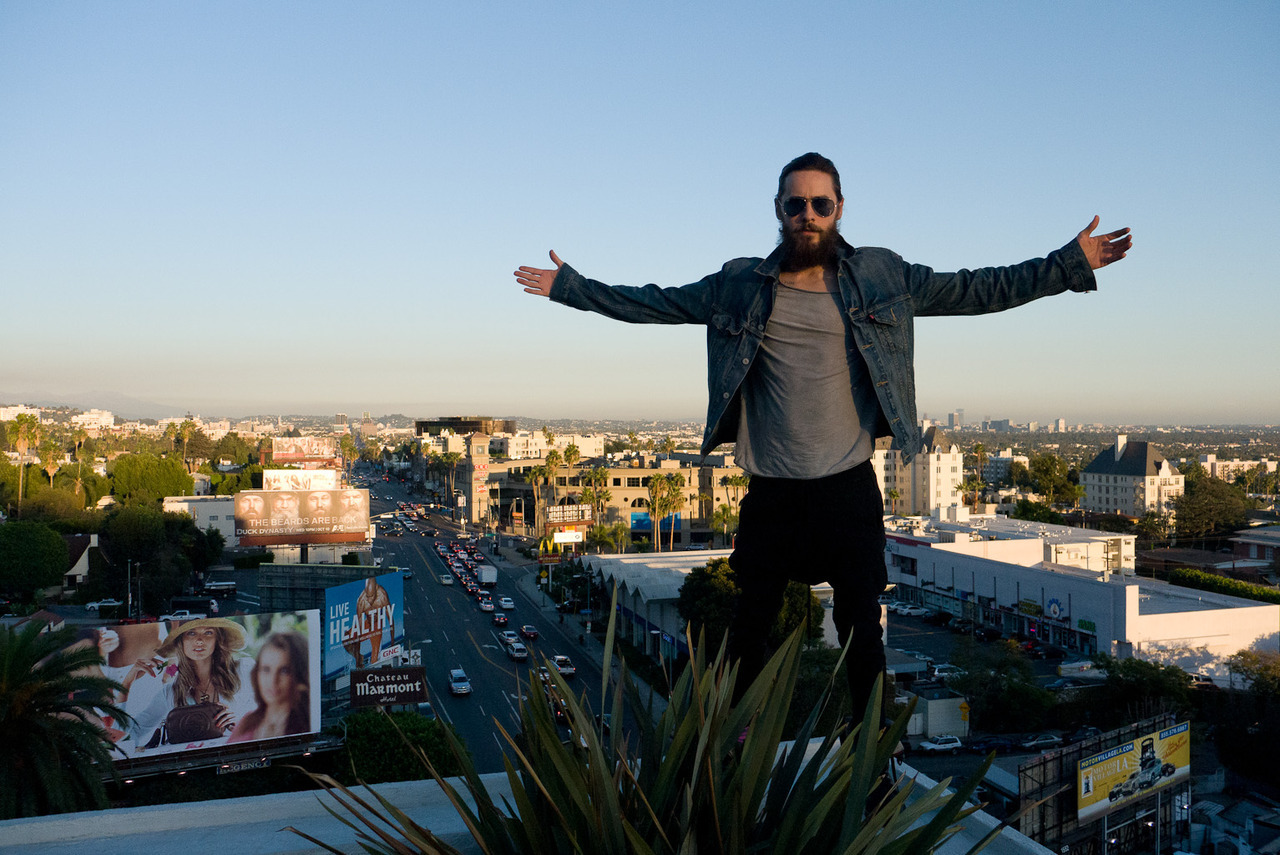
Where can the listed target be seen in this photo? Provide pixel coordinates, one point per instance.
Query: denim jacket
(882, 294)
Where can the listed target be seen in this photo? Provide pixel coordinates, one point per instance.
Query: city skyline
(317, 209)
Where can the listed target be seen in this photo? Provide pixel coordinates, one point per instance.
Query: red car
(529, 631)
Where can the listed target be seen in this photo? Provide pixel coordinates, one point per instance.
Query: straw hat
(234, 630)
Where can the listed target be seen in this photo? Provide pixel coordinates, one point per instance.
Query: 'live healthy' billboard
(364, 623)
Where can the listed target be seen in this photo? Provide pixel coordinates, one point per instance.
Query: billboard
(293, 449)
(364, 623)
(300, 479)
(210, 682)
(641, 521)
(1118, 776)
(371, 687)
(266, 517)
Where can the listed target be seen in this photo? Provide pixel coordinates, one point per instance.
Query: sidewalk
(593, 647)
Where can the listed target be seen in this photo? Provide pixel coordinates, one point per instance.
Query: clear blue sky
(314, 207)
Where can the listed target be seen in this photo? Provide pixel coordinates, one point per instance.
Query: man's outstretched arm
(1099, 250)
(538, 281)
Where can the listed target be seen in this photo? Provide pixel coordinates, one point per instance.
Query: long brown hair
(223, 673)
(294, 647)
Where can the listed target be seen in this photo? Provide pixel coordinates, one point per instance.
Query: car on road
(446, 579)
(517, 651)
(1063, 683)
(942, 744)
(459, 684)
(914, 611)
(945, 670)
(529, 631)
(564, 666)
(100, 604)
(499, 619)
(506, 603)
(508, 637)
(998, 744)
(486, 604)
(183, 614)
(1041, 742)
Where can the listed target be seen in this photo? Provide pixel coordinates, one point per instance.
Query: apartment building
(1130, 478)
(1227, 470)
(927, 482)
(996, 468)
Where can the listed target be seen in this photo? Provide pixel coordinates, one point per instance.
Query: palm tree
(26, 433)
(725, 518)
(554, 459)
(53, 745)
(894, 496)
(668, 445)
(449, 462)
(572, 456)
(50, 458)
(620, 534)
(537, 474)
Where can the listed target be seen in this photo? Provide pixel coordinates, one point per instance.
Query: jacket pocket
(726, 324)
(890, 322)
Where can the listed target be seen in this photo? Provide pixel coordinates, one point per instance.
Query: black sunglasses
(793, 206)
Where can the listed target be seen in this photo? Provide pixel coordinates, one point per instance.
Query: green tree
(374, 747)
(53, 748)
(1001, 686)
(1136, 688)
(32, 556)
(798, 605)
(1049, 472)
(1211, 505)
(972, 487)
(26, 433)
(50, 458)
(144, 479)
(572, 456)
(725, 518)
(554, 460)
(894, 497)
(1020, 475)
(706, 600)
(668, 445)
(1025, 509)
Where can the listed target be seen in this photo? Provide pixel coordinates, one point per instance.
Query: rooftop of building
(256, 825)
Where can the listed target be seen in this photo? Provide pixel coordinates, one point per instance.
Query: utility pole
(128, 587)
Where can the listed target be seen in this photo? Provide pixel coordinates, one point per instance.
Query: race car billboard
(1121, 775)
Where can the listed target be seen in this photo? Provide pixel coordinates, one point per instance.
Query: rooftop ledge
(253, 825)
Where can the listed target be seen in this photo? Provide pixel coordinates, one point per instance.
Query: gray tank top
(808, 407)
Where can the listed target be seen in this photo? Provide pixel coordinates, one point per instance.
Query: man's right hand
(536, 280)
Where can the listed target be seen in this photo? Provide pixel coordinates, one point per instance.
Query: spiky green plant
(708, 776)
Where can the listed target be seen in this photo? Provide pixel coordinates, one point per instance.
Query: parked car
(529, 631)
(946, 670)
(1086, 732)
(101, 604)
(942, 744)
(183, 614)
(1041, 742)
(986, 633)
(1204, 681)
(963, 626)
(506, 603)
(564, 666)
(914, 611)
(459, 684)
(998, 744)
(1063, 683)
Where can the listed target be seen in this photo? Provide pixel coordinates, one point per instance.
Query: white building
(997, 467)
(525, 445)
(1100, 552)
(1130, 478)
(927, 482)
(1005, 584)
(94, 420)
(1227, 470)
(216, 512)
(8, 414)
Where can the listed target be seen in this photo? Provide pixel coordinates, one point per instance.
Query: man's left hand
(1101, 250)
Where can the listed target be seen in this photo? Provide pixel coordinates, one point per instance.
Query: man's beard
(801, 254)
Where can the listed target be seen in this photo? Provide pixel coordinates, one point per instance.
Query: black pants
(824, 530)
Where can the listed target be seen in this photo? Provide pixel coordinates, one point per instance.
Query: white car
(517, 651)
(914, 611)
(506, 603)
(486, 605)
(107, 603)
(564, 666)
(446, 579)
(942, 744)
(508, 636)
